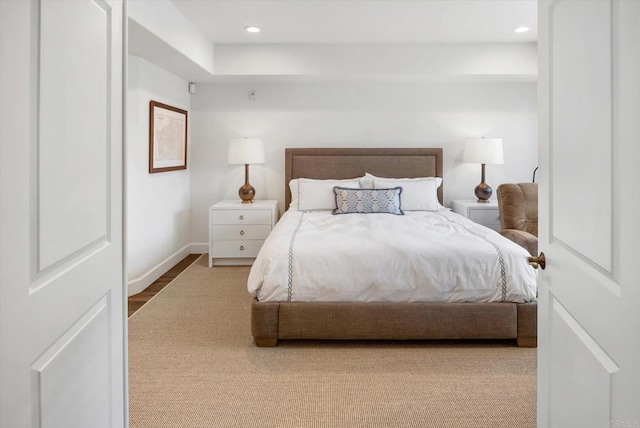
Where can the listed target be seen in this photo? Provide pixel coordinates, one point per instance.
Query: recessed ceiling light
(521, 29)
(252, 29)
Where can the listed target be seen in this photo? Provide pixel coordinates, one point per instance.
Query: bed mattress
(421, 256)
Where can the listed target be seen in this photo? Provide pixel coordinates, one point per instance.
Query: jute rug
(192, 363)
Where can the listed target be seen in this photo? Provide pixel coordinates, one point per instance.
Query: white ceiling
(357, 21)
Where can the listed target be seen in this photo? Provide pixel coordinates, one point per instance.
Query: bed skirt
(271, 321)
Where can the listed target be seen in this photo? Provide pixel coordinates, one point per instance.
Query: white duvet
(419, 257)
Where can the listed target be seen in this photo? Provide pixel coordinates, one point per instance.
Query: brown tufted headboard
(324, 163)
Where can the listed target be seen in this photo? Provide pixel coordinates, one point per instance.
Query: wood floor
(138, 300)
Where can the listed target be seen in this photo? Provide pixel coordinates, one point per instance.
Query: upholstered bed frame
(271, 321)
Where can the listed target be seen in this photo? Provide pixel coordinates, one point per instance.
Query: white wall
(158, 205)
(163, 20)
(356, 114)
(512, 60)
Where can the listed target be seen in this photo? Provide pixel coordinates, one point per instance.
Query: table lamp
(483, 151)
(246, 151)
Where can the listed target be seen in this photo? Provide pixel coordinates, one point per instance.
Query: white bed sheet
(419, 257)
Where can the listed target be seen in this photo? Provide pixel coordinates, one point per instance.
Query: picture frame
(167, 138)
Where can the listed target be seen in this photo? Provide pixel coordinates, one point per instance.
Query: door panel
(76, 363)
(588, 319)
(73, 127)
(62, 322)
(581, 376)
(581, 136)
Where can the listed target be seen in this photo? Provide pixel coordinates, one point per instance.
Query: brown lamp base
(483, 192)
(247, 193)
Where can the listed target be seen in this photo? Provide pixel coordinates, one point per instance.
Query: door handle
(537, 261)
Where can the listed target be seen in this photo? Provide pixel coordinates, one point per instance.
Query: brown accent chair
(518, 207)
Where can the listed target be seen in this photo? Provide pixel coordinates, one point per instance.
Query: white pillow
(293, 185)
(417, 195)
(308, 194)
(368, 179)
(366, 182)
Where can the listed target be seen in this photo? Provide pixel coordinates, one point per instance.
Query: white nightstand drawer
(247, 231)
(484, 216)
(237, 248)
(242, 216)
(237, 231)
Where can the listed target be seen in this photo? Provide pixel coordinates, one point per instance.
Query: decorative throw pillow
(367, 201)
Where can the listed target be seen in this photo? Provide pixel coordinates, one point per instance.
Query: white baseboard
(234, 262)
(137, 285)
(197, 248)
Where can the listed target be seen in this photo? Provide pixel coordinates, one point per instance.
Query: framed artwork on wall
(167, 138)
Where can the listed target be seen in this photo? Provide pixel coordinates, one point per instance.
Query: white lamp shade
(483, 150)
(246, 150)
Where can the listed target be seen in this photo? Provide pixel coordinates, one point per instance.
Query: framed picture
(167, 138)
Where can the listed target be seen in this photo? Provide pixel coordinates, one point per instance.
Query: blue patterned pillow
(367, 201)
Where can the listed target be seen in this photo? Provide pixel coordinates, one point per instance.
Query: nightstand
(237, 231)
(484, 213)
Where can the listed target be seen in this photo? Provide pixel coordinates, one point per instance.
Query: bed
(284, 308)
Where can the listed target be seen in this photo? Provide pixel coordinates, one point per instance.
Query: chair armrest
(522, 238)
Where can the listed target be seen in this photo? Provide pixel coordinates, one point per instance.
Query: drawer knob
(241, 247)
(242, 232)
(241, 217)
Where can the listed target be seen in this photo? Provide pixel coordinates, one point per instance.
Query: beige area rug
(192, 363)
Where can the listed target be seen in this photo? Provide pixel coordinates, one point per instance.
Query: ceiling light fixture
(252, 29)
(521, 29)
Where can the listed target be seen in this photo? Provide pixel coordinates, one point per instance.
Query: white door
(61, 271)
(589, 308)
